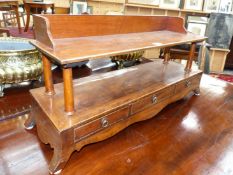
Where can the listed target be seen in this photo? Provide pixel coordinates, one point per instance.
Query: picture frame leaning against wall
(220, 30)
(225, 6)
(78, 7)
(193, 4)
(211, 5)
(169, 4)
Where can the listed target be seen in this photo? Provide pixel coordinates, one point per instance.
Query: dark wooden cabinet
(229, 60)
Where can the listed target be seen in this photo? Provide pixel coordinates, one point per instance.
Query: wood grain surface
(99, 94)
(106, 104)
(192, 136)
(68, 39)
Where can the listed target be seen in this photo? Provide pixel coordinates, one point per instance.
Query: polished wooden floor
(193, 136)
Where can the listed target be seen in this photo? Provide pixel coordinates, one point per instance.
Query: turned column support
(48, 78)
(166, 55)
(68, 90)
(191, 56)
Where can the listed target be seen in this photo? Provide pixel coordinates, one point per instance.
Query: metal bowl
(19, 61)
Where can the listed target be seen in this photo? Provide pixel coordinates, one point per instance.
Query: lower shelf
(122, 101)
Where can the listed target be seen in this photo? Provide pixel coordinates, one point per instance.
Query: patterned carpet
(15, 33)
(224, 77)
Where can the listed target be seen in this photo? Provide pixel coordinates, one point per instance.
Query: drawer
(188, 84)
(97, 125)
(152, 99)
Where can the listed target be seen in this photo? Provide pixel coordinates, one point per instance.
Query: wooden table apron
(15, 6)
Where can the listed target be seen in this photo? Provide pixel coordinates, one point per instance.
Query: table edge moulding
(75, 113)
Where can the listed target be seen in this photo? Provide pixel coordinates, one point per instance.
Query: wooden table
(192, 136)
(36, 5)
(15, 6)
(92, 109)
(102, 36)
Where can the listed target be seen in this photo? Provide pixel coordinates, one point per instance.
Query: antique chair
(9, 17)
(219, 33)
(4, 30)
(13, 7)
(201, 55)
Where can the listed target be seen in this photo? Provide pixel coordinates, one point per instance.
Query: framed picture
(211, 5)
(197, 19)
(197, 28)
(193, 4)
(220, 30)
(173, 4)
(225, 6)
(78, 7)
(90, 10)
(146, 2)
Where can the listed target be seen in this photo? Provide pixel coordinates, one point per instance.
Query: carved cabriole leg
(68, 90)
(190, 60)
(1, 90)
(30, 122)
(61, 141)
(59, 159)
(197, 91)
(49, 88)
(166, 55)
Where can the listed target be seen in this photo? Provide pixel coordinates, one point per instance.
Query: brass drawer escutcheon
(154, 99)
(104, 122)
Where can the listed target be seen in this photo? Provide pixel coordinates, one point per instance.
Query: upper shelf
(75, 38)
(169, 9)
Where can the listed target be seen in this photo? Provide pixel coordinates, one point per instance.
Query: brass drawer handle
(154, 99)
(104, 122)
(188, 83)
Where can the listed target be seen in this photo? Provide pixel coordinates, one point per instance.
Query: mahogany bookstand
(75, 113)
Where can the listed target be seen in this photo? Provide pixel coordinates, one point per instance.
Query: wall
(101, 8)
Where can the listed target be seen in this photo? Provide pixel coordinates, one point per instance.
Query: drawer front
(152, 99)
(188, 84)
(97, 125)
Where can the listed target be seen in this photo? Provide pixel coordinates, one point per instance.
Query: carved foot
(1, 93)
(1, 90)
(29, 123)
(197, 92)
(57, 172)
(59, 160)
